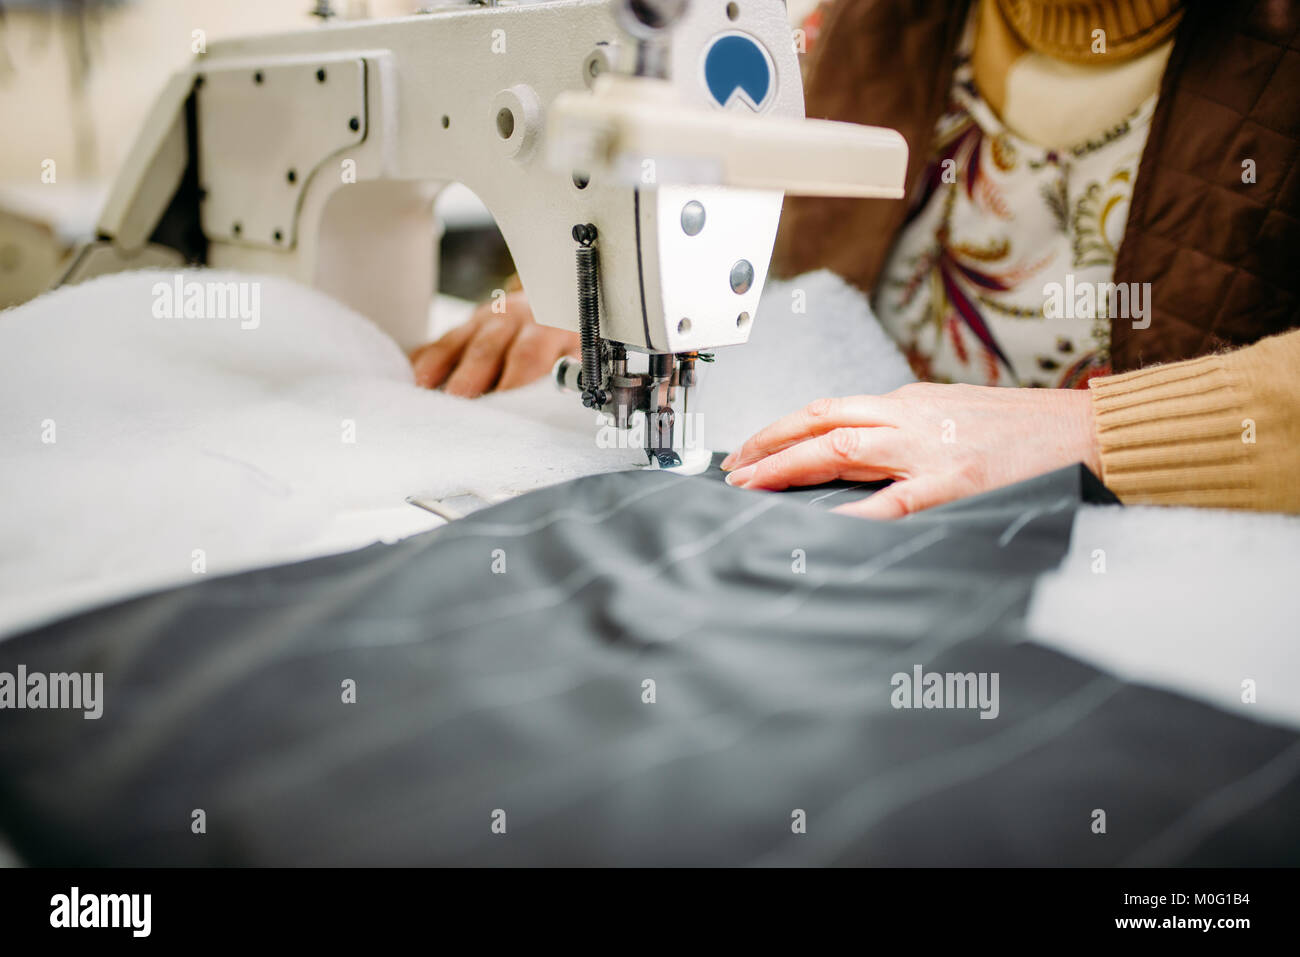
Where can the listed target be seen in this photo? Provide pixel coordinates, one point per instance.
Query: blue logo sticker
(737, 67)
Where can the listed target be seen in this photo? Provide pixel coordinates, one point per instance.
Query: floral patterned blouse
(995, 221)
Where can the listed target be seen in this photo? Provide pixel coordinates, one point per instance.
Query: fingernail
(726, 463)
(740, 476)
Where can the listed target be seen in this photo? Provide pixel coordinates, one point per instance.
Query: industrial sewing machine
(633, 152)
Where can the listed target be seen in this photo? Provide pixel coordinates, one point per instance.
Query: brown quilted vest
(1222, 255)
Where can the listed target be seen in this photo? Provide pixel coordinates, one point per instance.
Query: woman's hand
(492, 351)
(938, 443)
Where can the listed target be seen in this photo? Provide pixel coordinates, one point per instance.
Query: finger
(433, 362)
(858, 455)
(480, 363)
(532, 355)
(816, 418)
(904, 498)
(529, 358)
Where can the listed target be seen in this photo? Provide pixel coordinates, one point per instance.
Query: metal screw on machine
(742, 277)
(693, 218)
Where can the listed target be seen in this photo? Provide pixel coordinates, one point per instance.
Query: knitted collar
(1065, 29)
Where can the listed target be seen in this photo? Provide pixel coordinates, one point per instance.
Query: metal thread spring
(589, 316)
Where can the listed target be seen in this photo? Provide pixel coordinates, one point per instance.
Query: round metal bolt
(742, 276)
(693, 218)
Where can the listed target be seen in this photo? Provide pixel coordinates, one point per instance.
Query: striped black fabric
(503, 712)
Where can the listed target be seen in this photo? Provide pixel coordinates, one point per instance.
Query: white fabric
(177, 435)
(1191, 600)
(173, 435)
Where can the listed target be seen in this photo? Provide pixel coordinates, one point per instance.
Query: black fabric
(522, 692)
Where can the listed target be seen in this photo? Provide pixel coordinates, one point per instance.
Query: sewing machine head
(700, 250)
(633, 152)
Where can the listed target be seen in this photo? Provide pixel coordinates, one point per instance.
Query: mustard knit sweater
(1222, 431)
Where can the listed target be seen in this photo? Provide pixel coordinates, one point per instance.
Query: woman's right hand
(492, 351)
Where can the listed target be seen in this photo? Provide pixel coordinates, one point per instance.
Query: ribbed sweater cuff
(1173, 434)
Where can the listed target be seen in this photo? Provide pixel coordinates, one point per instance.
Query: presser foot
(687, 462)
